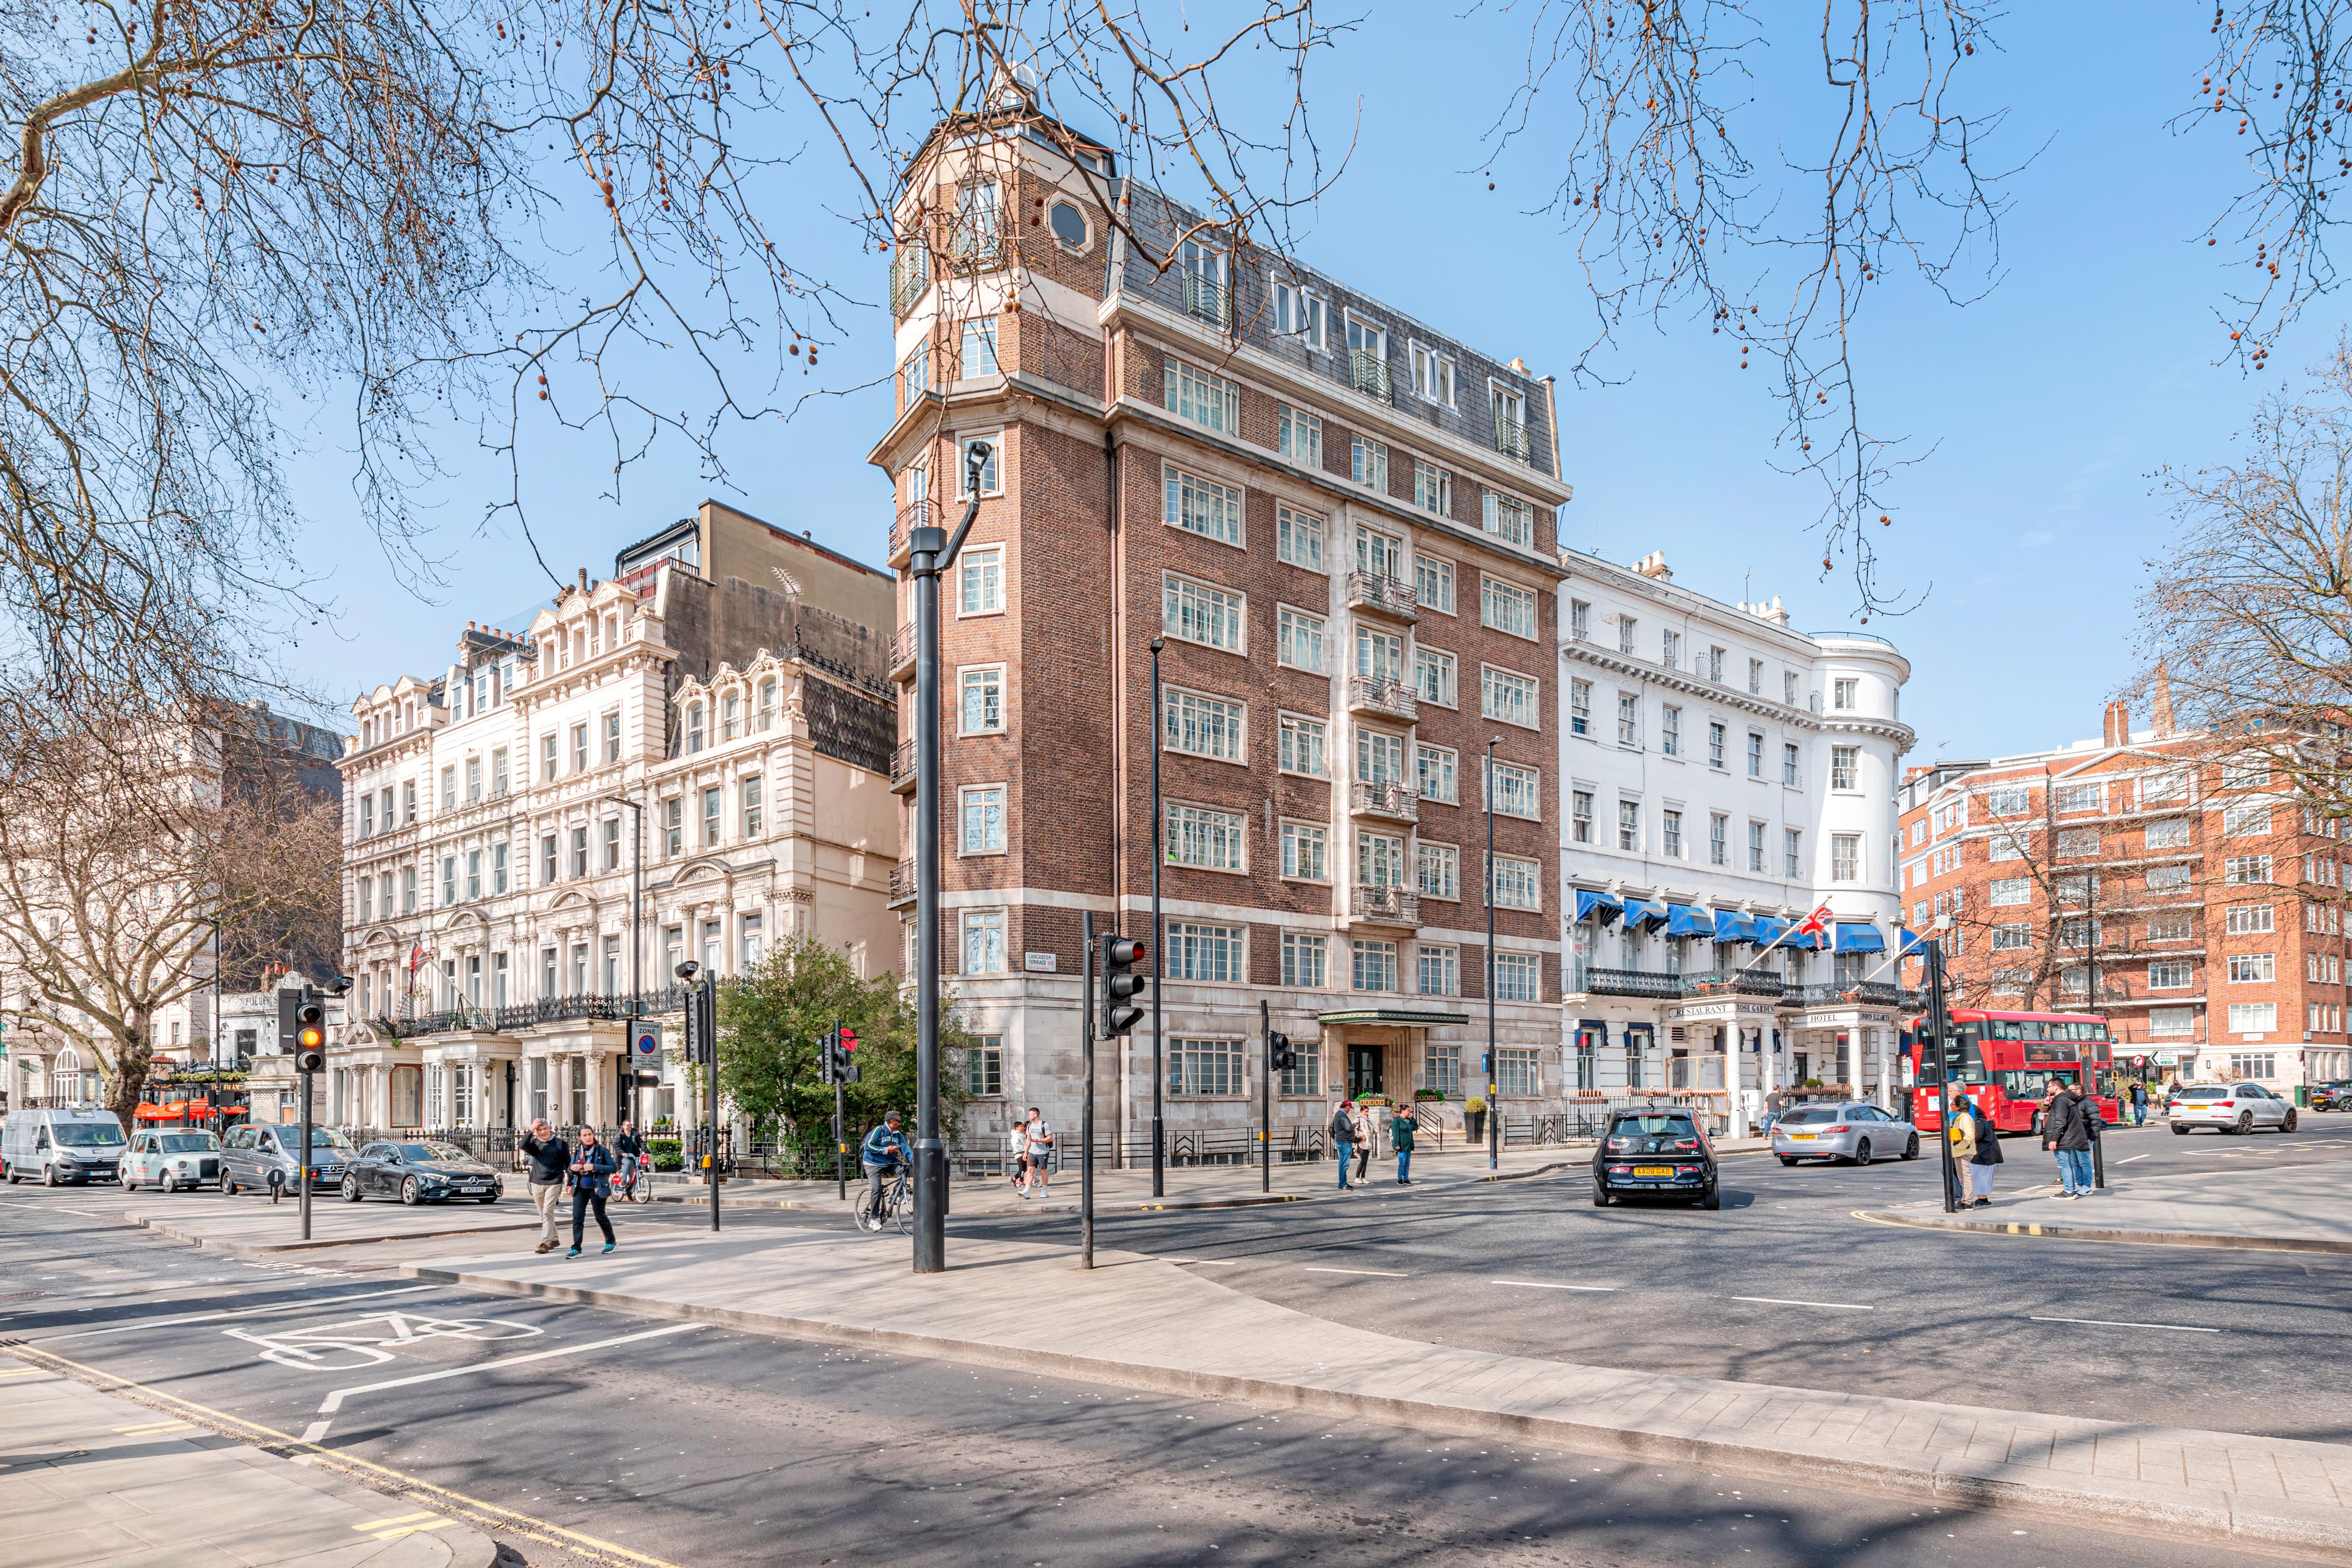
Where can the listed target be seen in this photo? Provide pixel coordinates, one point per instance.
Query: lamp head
(687, 970)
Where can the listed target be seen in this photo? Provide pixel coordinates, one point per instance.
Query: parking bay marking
(1552, 1285)
(322, 1346)
(333, 1403)
(1830, 1306)
(1376, 1273)
(2110, 1323)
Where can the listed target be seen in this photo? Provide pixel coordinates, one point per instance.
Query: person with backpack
(1343, 1137)
(1975, 1146)
(2066, 1132)
(591, 1169)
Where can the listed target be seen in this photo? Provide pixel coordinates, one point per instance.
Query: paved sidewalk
(89, 1478)
(1143, 1322)
(2273, 1210)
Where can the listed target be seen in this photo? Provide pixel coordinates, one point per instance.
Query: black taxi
(1661, 1151)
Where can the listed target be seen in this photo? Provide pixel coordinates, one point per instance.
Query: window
(1432, 677)
(694, 735)
(1714, 737)
(983, 818)
(1670, 826)
(730, 715)
(450, 788)
(1380, 859)
(2166, 878)
(983, 942)
(1299, 537)
(1628, 719)
(2253, 966)
(1513, 522)
(1380, 655)
(2011, 802)
(2011, 939)
(1303, 962)
(612, 843)
(988, 446)
(2172, 834)
(1845, 857)
(673, 834)
(1303, 852)
(1507, 608)
(1380, 757)
(1299, 640)
(1510, 410)
(2262, 1066)
(1579, 620)
(448, 879)
(1205, 1067)
(1755, 755)
(1512, 697)
(2081, 888)
(1670, 731)
(1579, 707)
(1789, 687)
(1845, 694)
(1518, 978)
(1718, 835)
(2252, 1018)
(710, 812)
(1432, 488)
(1516, 791)
(367, 898)
(1375, 966)
(915, 373)
(2246, 774)
(1439, 868)
(2171, 1022)
(1297, 311)
(546, 760)
(1198, 952)
(1433, 584)
(1433, 375)
(1788, 757)
(1580, 816)
(755, 792)
(1514, 1066)
(980, 572)
(1212, 840)
(1303, 745)
(1368, 464)
(1845, 767)
(1670, 649)
(2244, 919)
(367, 816)
(978, 357)
(976, 223)
(1626, 626)
(2176, 926)
(2245, 822)
(1203, 274)
(1756, 847)
(983, 1066)
(1208, 401)
(1629, 824)
(1755, 673)
(1518, 884)
(612, 737)
(2238, 870)
(1433, 773)
(983, 699)
(1199, 613)
(1440, 1065)
(1202, 726)
(2159, 789)
(1791, 857)
(2009, 890)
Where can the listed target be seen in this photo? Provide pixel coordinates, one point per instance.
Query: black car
(1660, 1151)
(426, 1172)
(2334, 1096)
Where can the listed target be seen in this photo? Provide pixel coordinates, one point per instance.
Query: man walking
(1041, 1151)
(1367, 1136)
(1774, 1102)
(2066, 1132)
(1400, 1130)
(1343, 1138)
(2139, 1103)
(551, 1158)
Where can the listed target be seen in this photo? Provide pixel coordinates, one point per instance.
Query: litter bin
(2302, 1095)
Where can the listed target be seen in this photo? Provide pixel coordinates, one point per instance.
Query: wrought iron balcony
(1370, 375)
(1647, 983)
(902, 768)
(1847, 993)
(902, 654)
(1511, 438)
(1385, 905)
(1752, 983)
(910, 274)
(1377, 694)
(922, 514)
(1397, 801)
(1207, 299)
(902, 885)
(1381, 595)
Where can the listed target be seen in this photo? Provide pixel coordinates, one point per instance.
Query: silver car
(2229, 1108)
(1856, 1133)
(260, 1158)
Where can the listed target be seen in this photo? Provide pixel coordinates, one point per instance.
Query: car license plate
(1801, 1138)
(1653, 1170)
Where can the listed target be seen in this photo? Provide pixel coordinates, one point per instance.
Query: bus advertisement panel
(2008, 1062)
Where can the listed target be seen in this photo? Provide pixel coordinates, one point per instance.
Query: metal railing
(902, 768)
(1735, 983)
(1852, 993)
(902, 885)
(922, 514)
(523, 1015)
(1391, 905)
(1601, 982)
(1370, 372)
(910, 274)
(1378, 590)
(1379, 694)
(1399, 801)
(1511, 438)
(902, 654)
(1207, 299)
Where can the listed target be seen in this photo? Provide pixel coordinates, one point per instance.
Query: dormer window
(767, 704)
(693, 727)
(731, 716)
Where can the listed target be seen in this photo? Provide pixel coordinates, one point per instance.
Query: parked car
(60, 1146)
(1854, 1133)
(2335, 1096)
(2229, 1108)
(1658, 1152)
(170, 1159)
(426, 1172)
(263, 1158)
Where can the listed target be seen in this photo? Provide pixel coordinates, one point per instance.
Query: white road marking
(315, 1431)
(242, 1313)
(1380, 1273)
(2126, 1161)
(1783, 1301)
(2110, 1323)
(1552, 1285)
(334, 1402)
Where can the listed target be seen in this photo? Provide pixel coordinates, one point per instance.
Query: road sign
(649, 1043)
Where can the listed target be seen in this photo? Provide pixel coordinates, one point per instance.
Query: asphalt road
(693, 1444)
(1785, 1285)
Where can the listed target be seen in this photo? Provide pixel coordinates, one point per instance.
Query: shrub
(668, 1154)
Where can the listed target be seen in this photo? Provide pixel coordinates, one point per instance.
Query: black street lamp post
(1159, 968)
(1494, 1098)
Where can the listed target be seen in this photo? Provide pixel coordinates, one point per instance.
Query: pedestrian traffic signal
(845, 1055)
(1280, 1055)
(1120, 985)
(310, 1039)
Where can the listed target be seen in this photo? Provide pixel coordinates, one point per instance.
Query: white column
(1734, 1075)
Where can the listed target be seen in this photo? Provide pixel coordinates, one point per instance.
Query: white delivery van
(53, 1147)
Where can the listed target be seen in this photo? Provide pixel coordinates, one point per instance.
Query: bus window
(2031, 1084)
(2007, 1029)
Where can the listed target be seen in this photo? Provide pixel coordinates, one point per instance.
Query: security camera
(687, 970)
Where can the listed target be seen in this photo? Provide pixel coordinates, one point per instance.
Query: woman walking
(592, 1165)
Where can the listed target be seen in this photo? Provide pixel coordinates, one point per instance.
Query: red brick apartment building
(2149, 876)
(1338, 520)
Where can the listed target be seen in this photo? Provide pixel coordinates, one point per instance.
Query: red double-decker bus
(2007, 1061)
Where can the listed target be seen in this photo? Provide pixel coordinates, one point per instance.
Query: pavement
(2267, 1210)
(90, 1477)
(1147, 1324)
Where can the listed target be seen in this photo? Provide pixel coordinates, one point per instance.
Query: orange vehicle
(2007, 1061)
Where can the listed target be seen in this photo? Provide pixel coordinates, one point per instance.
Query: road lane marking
(334, 1402)
(308, 1306)
(2110, 1323)
(1783, 1301)
(1552, 1285)
(2125, 1161)
(1379, 1274)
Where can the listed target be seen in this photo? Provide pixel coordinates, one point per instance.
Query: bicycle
(639, 1185)
(898, 1208)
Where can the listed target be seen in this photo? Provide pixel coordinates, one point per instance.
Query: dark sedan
(1658, 1152)
(426, 1172)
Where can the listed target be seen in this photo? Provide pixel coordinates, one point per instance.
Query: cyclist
(631, 1146)
(884, 1154)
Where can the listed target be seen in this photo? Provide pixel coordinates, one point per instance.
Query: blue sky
(2048, 405)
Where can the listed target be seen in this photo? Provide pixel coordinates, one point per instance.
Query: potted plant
(1474, 1118)
(1420, 1094)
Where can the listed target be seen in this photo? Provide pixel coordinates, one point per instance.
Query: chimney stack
(2118, 725)
(1653, 565)
(2162, 721)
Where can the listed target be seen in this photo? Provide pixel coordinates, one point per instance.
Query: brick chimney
(1654, 565)
(2118, 725)
(2163, 717)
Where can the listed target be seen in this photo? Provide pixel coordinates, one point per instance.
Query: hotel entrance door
(1364, 1074)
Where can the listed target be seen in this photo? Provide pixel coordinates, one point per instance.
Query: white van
(56, 1147)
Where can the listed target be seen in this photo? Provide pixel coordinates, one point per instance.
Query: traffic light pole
(1494, 1095)
(302, 1161)
(705, 1005)
(1939, 1027)
(1159, 1139)
(1087, 1112)
(1264, 1099)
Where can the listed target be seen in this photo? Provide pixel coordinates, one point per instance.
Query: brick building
(1338, 522)
(2155, 876)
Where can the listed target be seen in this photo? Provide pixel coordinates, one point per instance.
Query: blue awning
(1908, 940)
(1731, 925)
(1853, 937)
(1645, 911)
(1682, 920)
(1766, 928)
(1607, 905)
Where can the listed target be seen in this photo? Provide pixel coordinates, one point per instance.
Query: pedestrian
(1773, 1102)
(630, 1148)
(1366, 1135)
(1400, 1131)
(1041, 1152)
(884, 1153)
(1016, 1155)
(550, 1157)
(2139, 1103)
(1343, 1137)
(592, 1165)
(2066, 1133)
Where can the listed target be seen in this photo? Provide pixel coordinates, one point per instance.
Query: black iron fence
(523, 1015)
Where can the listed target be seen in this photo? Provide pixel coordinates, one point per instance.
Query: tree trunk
(133, 1053)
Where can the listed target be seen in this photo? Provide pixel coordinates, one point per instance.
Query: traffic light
(1120, 985)
(310, 1039)
(1280, 1055)
(845, 1056)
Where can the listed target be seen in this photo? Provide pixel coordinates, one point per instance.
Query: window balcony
(1379, 694)
(1385, 905)
(1370, 373)
(1511, 438)
(1849, 993)
(910, 274)
(1380, 594)
(1207, 299)
(923, 514)
(902, 768)
(1396, 801)
(1656, 985)
(1753, 983)
(902, 885)
(902, 654)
